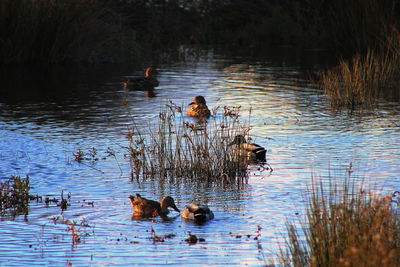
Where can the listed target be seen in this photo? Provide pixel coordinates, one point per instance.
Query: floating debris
(193, 239)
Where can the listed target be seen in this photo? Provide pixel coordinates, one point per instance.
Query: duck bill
(132, 200)
(175, 208)
(191, 103)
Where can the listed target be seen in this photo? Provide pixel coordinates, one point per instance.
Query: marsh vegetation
(345, 225)
(366, 78)
(185, 148)
(14, 195)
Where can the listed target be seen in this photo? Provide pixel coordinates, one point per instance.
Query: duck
(143, 83)
(252, 152)
(198, 213)
(143, 207)
(199, 108)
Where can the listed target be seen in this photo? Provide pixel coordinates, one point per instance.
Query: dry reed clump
(365, 78)
(345, 226)
(14, 194)
(189, 148)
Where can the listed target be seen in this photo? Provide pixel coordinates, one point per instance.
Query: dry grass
(182, 148)
(365, 78)
(346, 225)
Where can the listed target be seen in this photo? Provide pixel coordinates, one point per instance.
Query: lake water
(45, 118)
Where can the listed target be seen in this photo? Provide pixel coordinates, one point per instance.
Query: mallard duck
(149, 208)
(143, 83)
(198, 213)
(199, 108)
(253, 152)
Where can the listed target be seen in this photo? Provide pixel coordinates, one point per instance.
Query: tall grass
(181, 148)
(365, 78)
(48, 31)
(346, 225)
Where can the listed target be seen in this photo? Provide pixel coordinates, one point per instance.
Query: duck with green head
(199, 108)
(148, 82)
(250, 151)
(143, 207)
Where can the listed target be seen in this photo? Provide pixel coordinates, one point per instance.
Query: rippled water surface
(42, 127)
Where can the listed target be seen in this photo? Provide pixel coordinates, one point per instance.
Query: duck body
(143, 83)
(198, 213)
(251, 151)
(143, 207)
(199, 108)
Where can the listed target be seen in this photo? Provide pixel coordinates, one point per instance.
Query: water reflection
(291, 119)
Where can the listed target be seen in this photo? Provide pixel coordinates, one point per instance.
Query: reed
(181, 148)
(346, 225)
(365, 78)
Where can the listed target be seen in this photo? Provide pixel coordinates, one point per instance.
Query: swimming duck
(198, 213)
(253, 152)
(199, 108)
(149, 208)
(143, 83)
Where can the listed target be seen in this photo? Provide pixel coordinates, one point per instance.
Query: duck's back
(198, 213)
(255, 152)
(199, 111)
(146, 207)
(141, 83)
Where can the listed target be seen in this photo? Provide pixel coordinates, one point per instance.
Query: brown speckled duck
(143, 83)
(143, 207)
(252, 152)
(198, 213)
(199, 108)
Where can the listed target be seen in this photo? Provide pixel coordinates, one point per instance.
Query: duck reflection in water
(146, 208)
(146, 83)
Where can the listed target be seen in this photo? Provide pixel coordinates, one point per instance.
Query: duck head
(168, 202)
(198, 100)
(151, 72)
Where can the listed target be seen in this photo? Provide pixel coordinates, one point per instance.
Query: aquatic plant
(76, 238)
(346, 225)
(61, 219)
(189, 148)
(14, 194)
(92, 156)
(78, 155)
(156, 238)
(65, 202)
(363, 80)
